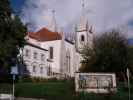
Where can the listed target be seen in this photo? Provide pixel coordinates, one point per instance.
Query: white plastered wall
(30, 61)
(55, 62)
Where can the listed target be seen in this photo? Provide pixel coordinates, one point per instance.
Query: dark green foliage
(42, 80)
(109, 54)
(49, 90)
(5, 88)
(12, 33)
(130, 58)
(60, 90)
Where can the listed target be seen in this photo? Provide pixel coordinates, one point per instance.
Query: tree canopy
(12, 33)
(110, 53)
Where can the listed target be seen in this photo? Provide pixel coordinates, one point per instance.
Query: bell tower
(84, 34)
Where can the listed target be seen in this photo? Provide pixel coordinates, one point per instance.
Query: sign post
(128, 76)
(14, 72)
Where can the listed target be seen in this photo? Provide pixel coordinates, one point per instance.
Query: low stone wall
(95, 82)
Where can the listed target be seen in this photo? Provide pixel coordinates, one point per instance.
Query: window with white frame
(35, 55)
(34, 69)
(27, 53)
(42, 57)
(68, 61)
(49, 70)
(51, 50)
(41, 70)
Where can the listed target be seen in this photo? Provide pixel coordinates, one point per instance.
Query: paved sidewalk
(20, 98)
(5, 96)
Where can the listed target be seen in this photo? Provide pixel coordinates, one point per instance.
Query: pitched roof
(30, 44)
(45, 35)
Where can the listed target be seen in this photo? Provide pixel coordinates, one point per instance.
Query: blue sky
(104, 15)
(17, 4)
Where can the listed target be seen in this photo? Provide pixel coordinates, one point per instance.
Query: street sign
(14, 70)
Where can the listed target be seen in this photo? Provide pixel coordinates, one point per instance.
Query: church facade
(49, 53)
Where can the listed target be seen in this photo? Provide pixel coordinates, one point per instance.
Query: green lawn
(50, 90)
(45, 90)
(62, 90)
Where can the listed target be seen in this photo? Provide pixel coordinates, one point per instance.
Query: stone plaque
(95, 82)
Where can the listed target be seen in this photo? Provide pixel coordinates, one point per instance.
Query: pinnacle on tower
(53, 25)
(81, 26)
(83, 4)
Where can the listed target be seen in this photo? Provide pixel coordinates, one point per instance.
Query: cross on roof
(53, 11)
(83, 3)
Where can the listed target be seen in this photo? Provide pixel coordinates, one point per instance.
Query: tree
(130, 58)
(109, 54)
(12, 33)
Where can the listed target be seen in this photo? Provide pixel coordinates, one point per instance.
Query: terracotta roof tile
(45, 35)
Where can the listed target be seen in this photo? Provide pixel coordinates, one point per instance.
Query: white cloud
(104, 15)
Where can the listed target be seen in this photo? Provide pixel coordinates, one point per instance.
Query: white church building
(49, 53)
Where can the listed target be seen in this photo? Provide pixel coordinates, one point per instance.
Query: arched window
(35, 55)
(82, 38)
(26, 67)
(68, 61)
(49, 70)
(27, 53)
(34, 68)
(41, 70)
(42, 57)
(51, 50)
